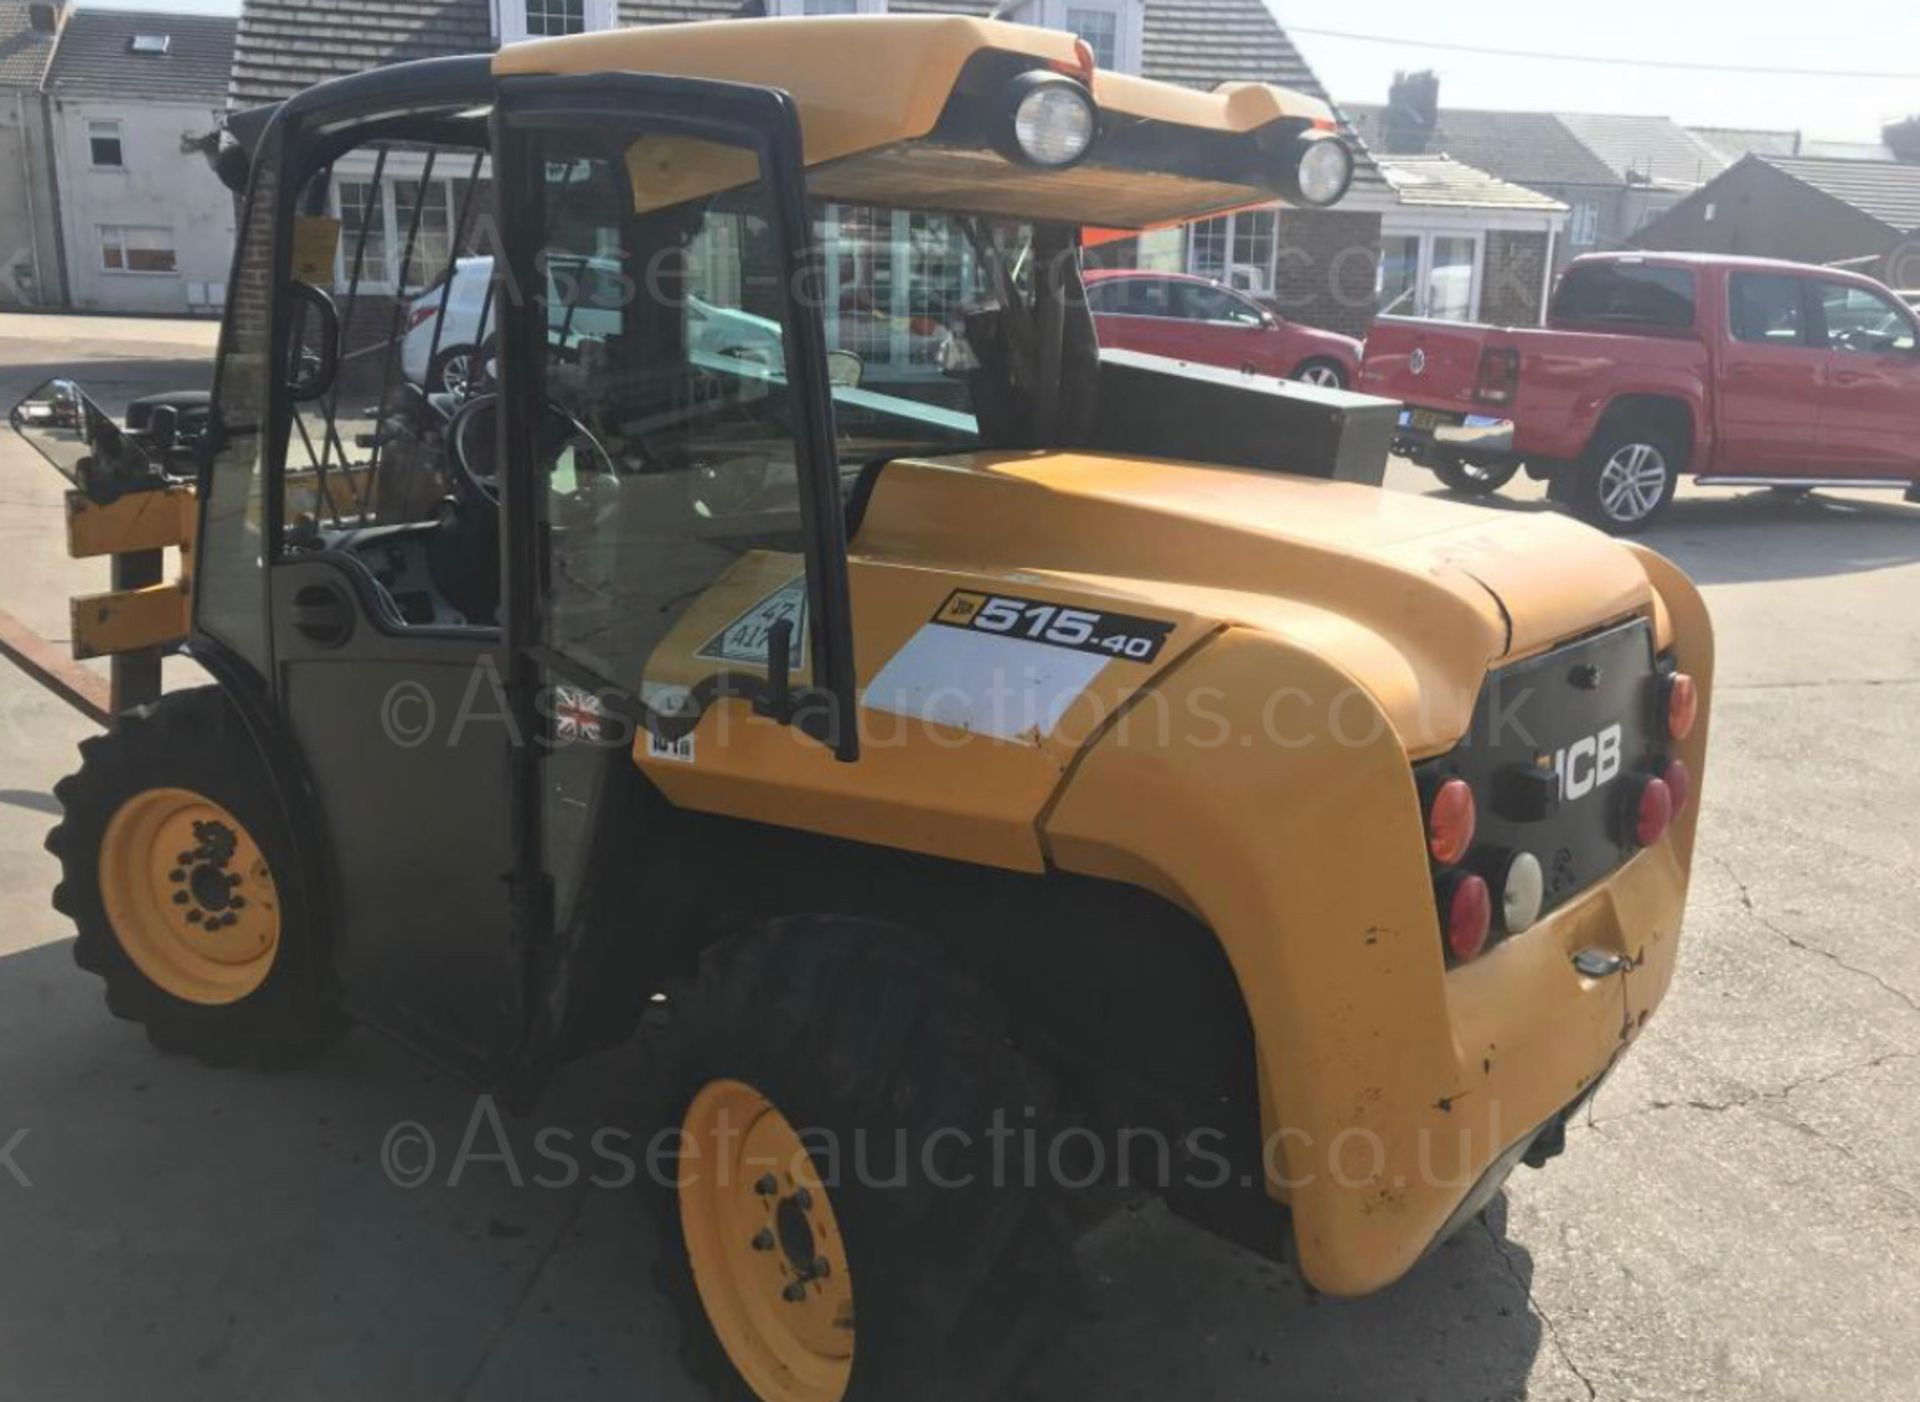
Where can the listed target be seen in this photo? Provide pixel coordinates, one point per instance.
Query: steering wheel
(474, 437)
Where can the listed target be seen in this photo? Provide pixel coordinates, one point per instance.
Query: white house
(145, 225)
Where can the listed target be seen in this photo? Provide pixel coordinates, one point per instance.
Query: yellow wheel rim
(190, 896)
(766, 1249)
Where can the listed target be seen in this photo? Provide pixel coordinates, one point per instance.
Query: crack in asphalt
(535, 1274)
(1546, 1320)
(1746, 900)
(1756, 1096)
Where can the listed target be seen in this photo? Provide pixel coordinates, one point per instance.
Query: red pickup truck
(1737, 371)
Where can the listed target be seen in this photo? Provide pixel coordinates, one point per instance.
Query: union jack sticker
(577, 716)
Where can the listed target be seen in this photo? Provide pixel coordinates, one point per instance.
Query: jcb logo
(1588, 764)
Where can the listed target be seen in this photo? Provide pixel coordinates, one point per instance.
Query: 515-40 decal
(1078, 629)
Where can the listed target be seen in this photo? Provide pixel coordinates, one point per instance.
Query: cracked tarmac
(1736, 1216)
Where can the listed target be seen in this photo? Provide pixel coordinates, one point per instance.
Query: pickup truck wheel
(1629, 478)
(1473, 479)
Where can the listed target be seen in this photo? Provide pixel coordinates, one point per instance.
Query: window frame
(117, 135)
(392, 230)
(510, 19)
(102, 233)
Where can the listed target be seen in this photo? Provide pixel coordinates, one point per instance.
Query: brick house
(1319, 267)
(1463, 245)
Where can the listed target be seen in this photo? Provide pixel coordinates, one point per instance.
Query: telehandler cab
(983, 766)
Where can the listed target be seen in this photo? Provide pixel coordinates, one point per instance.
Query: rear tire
(1328, 374)
(855, 1037)
(178, 872)
(1470, 479)
(1627, 480)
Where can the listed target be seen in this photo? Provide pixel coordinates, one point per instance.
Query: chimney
(1413, 112)
(44, 16)
(1903, 139)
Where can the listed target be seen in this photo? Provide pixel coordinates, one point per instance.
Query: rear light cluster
(1499, 377)
(1489, 889)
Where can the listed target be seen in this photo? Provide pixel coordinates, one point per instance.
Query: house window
(549, 18)
(1101, 29)
(388, 217)
(1430, 274)
(152, 44)
(1584, 230)
(137, 248)
(1237, 249)
(832, 7)
(360, 206)
(103, 145)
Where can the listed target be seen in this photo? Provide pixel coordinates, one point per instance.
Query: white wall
(29, 261)
(159, 186)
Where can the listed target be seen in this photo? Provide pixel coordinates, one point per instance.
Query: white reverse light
(1522, 892)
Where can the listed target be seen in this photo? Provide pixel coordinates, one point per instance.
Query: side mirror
(313, 351)
(82, 442)
(845, 369)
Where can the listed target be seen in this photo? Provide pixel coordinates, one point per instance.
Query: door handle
(323, 614)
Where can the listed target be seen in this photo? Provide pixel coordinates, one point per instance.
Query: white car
(585, 300)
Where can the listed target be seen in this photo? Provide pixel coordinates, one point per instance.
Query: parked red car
(1738, 371)
(1193, 318)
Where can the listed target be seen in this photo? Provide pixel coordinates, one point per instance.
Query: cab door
(1772, 373)
(1870, 409)
(674, 532)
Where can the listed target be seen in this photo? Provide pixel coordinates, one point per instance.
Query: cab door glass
(1862, 322)
(665, 445)
(1767, 309)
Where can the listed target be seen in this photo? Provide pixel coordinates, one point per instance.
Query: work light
(1050, 120)
(1323, 168)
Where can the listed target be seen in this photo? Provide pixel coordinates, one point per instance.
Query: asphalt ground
(1736, 1218)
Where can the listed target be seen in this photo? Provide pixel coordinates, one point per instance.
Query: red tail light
(1683, 705)
(1679, 781)
(1499, 375)
(418, 315)
(1468, 907)
(1653, 812)
(1450, 822)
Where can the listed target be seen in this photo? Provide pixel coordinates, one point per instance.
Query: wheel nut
(176, 876)
(794, 1293)
(193, 917)
(183, 858)
(181, 898)
(767, 1186)
(820, 1269)
(803, 1200)
(763, 1240)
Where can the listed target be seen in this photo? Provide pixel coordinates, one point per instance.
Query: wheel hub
(765, 1247)
(190, 896)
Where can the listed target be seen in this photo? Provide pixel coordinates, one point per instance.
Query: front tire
(1627, 481)
(1472, 479)
(838, 1230)
(178, 873)
(1328, 374)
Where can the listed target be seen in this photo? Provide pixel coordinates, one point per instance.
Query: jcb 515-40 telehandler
(981, 765)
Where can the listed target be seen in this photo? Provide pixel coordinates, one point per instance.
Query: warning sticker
(745, 640)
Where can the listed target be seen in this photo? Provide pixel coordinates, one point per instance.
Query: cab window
(1860, 321)
(1767, 309)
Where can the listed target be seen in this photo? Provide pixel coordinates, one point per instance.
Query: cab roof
(891, 136)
